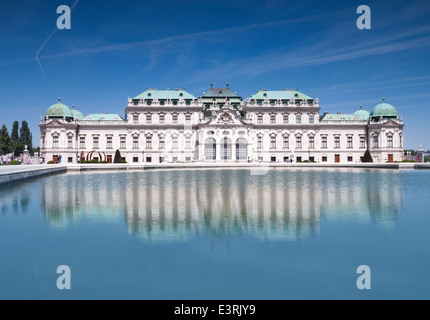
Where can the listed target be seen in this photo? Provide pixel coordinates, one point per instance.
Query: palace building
(165, 126)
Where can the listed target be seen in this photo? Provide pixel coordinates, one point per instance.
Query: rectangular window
(312, 159)
(148, 159)
(135, 142)
(311, 142)
(82, 142)
(337, 142)
(299, 159)
(273, 142)
(149, 119)
(175, 142)
(260, 142)
(311, 119)
(324, 159)
(349, 143)
(70, 159)
(122, 144)
(286, 119)
(390, 141)
(273, 159)
(175, 118)
(135, 119)
(324, 142)
(55, 142)
(299, 142)
(375, 141)
(350, 159)
(260, 118)
(286, 143)
(148, 143)
(298, 119)
(362, 142)
(188, 118)
(162, 118)
(109, 143)
(69, 142)
(162, 143)
(272, 119)
(135, 159)
(96, 144)
(188, 142)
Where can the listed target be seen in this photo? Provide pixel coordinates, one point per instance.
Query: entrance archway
(210, 149)
(241, 149)
(226, 149)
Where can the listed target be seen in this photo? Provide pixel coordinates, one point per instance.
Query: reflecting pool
(217, 234)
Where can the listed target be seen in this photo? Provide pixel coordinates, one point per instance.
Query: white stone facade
(185, 130)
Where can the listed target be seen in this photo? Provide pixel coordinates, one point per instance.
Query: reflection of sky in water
(166, 206)
(213, 222)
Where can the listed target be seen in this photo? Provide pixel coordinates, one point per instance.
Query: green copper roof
(103, 117)
(220, 93)
(283, 95)
(165, 94)
(59, 110)
(339, 117)
(77, 114)
(384, 110)
(362, 114)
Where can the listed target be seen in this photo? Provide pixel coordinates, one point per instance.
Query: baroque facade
(220, 126)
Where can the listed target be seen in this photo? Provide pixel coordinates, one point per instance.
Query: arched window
(210, 149)
(241, 149)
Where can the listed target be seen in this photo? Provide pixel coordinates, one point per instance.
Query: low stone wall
(11, 174)
(422, 166)
(208, 165)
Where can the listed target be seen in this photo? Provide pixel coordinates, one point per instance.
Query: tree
(17, 147)
(413, 152)
(117, 158)
(367, 157)
(6, 144)
(15, 134)
(25, 137)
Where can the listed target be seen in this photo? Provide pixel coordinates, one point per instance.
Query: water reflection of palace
(176, 205)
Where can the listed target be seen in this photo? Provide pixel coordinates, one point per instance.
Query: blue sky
(117, 49)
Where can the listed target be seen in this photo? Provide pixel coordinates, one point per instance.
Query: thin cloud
(163, 41)
(300, 58)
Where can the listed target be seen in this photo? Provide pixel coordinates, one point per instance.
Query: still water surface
(217, 234)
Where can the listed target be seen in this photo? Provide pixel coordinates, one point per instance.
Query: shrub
(14, 163)
(51, 162)
(367, 157)
(117, 158)
(123, 161)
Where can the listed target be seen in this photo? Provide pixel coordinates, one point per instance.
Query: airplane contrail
(47, 39)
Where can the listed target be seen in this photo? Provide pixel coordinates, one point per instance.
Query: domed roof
(362, 114)
(384, 110)
(77, 114)
(59, 110)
